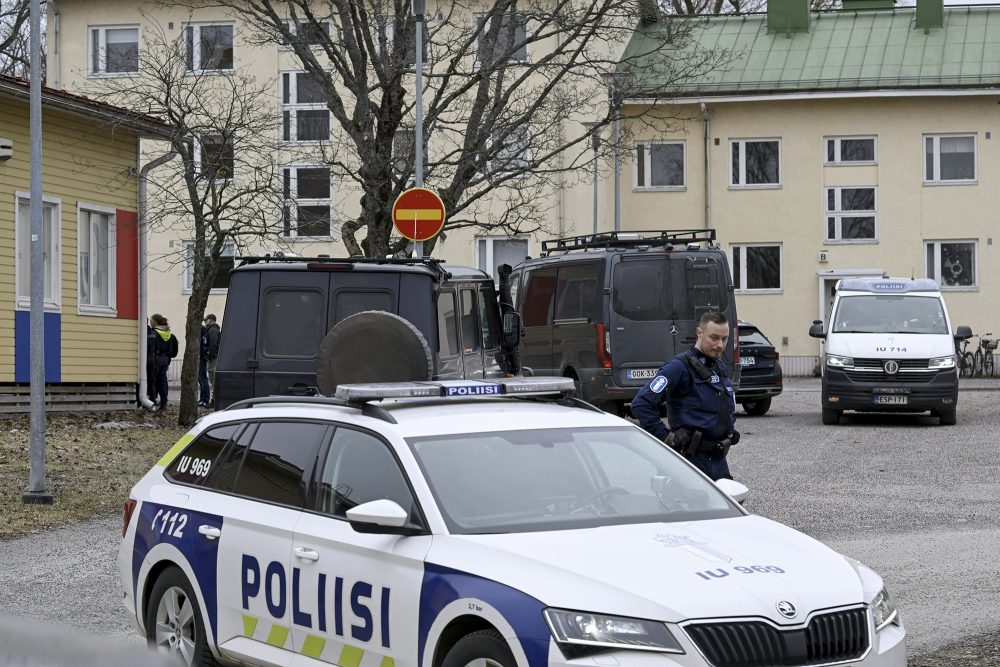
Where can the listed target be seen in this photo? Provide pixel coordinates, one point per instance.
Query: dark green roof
(843, 50)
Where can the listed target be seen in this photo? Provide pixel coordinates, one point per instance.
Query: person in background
(701, 405)
(210, 334)
(162, 347)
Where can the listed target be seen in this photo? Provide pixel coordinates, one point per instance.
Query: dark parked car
(760, 372)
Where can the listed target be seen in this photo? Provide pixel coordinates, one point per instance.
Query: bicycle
(983, 359)
(966, 362)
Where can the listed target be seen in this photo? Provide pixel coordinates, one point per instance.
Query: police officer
(700, 400)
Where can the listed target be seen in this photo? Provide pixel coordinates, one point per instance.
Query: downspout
(708, 166)
(56, 51)
(143, 317)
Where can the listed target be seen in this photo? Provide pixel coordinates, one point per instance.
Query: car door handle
(211, 532)
(306, 554)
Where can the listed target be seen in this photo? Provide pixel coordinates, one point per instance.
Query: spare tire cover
(373, 346)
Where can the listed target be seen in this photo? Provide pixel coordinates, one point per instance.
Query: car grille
(910, 370)
(835, 637)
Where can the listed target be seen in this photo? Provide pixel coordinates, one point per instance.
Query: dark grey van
(609, 309)
(302, 326)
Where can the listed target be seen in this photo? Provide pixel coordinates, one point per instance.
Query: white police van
(889, 348)
(441, 524)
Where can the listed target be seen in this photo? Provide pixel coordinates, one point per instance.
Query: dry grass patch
(89, 467)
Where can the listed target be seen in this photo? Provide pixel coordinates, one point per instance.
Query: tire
(977, 363)
(948, 417)
(171, 599)
(483, 648)
(968, 365)
(831, 417)
(988, 364)
(757, 408)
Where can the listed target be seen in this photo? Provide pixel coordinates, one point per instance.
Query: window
(280, 459)
(646, 290)
(509, 41)
(577, 293)
(96, 259)
(304, 114)
(489, 318)
(755, 163)
(850, 214)
(196, 464)
(347, 302)
(209, 47)
(114, 50)
(850, 150)
(403, 143)
(539, 288)
(51, 261)
(295, 325)
(308, 204)
(659, 165)
(514, 154)
(491, 252)
(953, 263)
(358, 469)
(215, 158)
(311, 34)
(447, 325)
(757, 267)
(226, 263)
(468, 322)
(949, 158)
(409, 26)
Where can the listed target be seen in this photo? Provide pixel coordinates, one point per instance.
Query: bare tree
(506, 85)
(223, 191)
(14, 37)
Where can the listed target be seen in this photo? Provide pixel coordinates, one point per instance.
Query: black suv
(608, 310)
(760, 371)
(301, 326)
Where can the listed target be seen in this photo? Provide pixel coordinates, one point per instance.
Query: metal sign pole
(418, 132)
(36, 475)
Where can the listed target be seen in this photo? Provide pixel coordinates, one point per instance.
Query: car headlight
(884, 610)
(837, 361)
(580, 633)
(942, 362)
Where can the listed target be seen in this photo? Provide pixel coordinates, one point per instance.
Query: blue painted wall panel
(22, 346)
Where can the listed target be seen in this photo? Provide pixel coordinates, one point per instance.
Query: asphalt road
(916, 501)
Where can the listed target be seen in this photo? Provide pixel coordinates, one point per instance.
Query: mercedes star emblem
(674, 330)
(891, 367)
(786, 609)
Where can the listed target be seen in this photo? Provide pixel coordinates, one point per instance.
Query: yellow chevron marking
(172, 453)
(277, 636)
(313, 646)
(249, 625)
(387, 662)
(351, 657)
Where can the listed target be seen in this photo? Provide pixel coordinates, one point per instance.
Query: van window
(292, 323)
(539, 288)
(678, 288)
(447, 327)
(489, 319)
(470, 327)
(577, 293)
(882, 313)
(352, 302)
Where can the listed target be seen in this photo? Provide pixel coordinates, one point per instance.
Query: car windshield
(883, 313)
(562, 478)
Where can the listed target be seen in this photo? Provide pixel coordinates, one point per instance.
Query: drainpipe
(56, 51)
(708, 167)
(143, 317)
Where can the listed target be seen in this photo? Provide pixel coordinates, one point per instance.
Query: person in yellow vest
(161, 348)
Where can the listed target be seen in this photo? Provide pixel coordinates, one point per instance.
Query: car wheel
(484, 648)
(831, 417)
(948, 417)
(173, 621)
(757, 408)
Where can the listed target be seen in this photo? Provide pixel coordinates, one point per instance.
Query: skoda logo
(674, 330)
(891, 367)
(786, 609)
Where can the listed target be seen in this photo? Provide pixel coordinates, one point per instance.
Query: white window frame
(198, 165)
(489, 241)
(484, 28)
(743, 289)
(111, 308)
(647, 165)
(936, 138)
(525, 155)
(837, 140)
(293, 106)
(742, 185)
(839, 213)
(24, 253)
(293, 28)
(936, 243)
(390, 25)
(196, 67)
(293, 202)
(103, 50)
(228, 250)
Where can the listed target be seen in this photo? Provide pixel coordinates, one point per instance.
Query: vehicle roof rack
(434, 263)
(367, 409)
(613, 240)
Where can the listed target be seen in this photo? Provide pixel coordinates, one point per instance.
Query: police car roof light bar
(608, 240)
(467, 389)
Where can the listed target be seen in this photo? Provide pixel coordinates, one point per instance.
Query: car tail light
(736, 355)
(603, 346)
(127, 514)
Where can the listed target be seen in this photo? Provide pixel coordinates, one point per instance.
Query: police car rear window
(195, 464)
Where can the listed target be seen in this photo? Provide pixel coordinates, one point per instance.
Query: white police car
(381, 530)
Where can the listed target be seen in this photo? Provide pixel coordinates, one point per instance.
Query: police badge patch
(658, 384)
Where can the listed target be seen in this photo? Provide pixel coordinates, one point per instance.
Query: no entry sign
(418, 214)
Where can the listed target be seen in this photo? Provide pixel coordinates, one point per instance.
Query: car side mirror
(816, 330)
(963, 332)
(733, 489)
(512, 330)
(382, 516)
